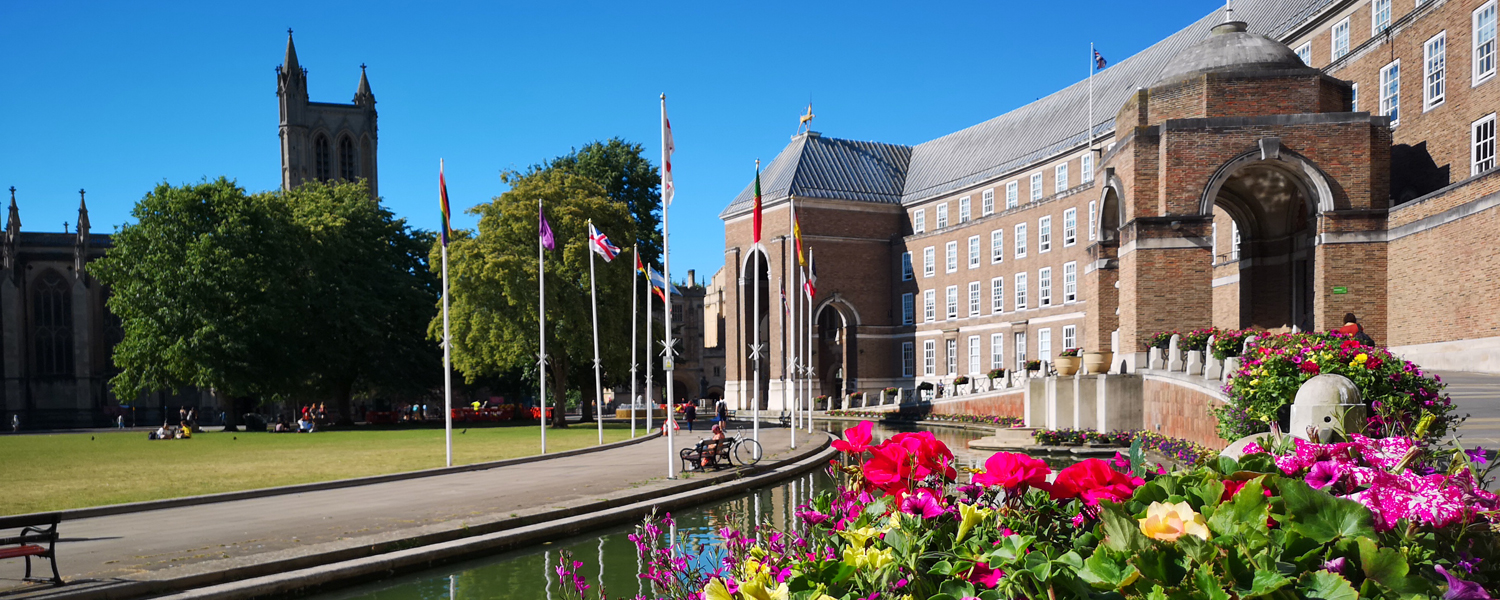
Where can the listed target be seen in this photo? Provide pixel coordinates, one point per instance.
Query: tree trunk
(231, 411)
(559, 392)
(343, 408)
(586, 408)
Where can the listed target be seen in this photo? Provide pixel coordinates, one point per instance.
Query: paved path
(183, 541)
(1477, 395)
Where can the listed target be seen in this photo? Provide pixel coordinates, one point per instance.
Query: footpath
(187, 547)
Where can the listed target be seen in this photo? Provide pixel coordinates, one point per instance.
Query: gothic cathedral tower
(324, 140)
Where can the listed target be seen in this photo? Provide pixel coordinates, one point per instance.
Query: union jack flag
(598, 242)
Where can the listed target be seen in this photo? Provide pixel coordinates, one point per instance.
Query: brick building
(1266, 168)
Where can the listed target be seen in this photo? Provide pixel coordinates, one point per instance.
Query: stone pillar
(1195, 362)
(1085, 401)
(1035, 411)
(1174, 353)
(83, 363)
(1118, 403)
(10, 343)
(1059, 392)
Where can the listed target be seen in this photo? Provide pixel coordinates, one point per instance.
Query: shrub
(1196, 340)
(960, 380)
(1228, 343)
(1033, 365)
(1161, 340)
(997, 373)
(1070, 352)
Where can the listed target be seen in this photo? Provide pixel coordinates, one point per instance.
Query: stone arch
(837, 347)
(51, 324)
(1315, 184)
(755, 266)
(348, 158)
(1111, 209)
(322, 158)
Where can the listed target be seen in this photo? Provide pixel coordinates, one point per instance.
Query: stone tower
(324, 140)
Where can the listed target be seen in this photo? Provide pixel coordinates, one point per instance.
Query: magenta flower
(1459, 589)
(1323, 474)
(921, 504)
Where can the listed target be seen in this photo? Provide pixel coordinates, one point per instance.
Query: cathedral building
(1277, 165)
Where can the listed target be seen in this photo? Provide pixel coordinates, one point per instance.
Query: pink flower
(1011, 470)
(983, 575)
(922, 504)
(856, 439)
(1093, 480)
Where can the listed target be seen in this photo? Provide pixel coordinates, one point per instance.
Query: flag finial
(804, 122)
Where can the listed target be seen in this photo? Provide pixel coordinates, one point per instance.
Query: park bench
(36, 530)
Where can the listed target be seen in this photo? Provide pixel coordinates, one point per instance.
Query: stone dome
(1230, 47)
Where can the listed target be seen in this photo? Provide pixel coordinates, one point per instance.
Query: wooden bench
(36, 530)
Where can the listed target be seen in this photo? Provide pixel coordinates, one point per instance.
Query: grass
(75, 470)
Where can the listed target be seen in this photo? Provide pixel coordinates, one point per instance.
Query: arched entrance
(756, 268)
(837, 348)
(1264, 246)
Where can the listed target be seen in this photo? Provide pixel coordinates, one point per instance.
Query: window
(52, 324)
(1234, 240)
(997, 245)
(1435, 60)
(997, 295)
(1354, 97)
(973, 252)
(987, 203)
(1304, 52)
(1020, 351)
(1044, 234)
(1070, 227)
(1087, 169)
(1390, 91)
(906, 273)
(1020, 291)
(1341, 39)
(919, 221)
(908, 309)
(928, 258)
(1060, 181)
(1044, 344)
(908, 359)
(1483, 136)
(952, 357)
(963, 209)
(1036, 187)
(1484, 42)
(1070, 337)
(929, 357)
(1093, 220)
(950, 256)
(974, 355)
(1380, 16)
(1070, 282)
(942, 220)
(1044, 286)
(346, 160)
(952, 302)
(1021, 240)
(322, 160)
(997, 351)
(929, 310)
(1012, 194)
(973, 298)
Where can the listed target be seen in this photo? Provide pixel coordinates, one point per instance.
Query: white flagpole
(541, 281)
(1088, 134)
(650, 354)
(668, 360)
(635, 333)
(812, 372)
(447, 354)
(598, 378)
(789, 386)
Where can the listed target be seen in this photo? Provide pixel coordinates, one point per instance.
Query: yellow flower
(758, 590)
(971, 516)
(1361, 358)
(854, 556)
(1167, 522)
(716, 590)
(858, 537)
(879, 559)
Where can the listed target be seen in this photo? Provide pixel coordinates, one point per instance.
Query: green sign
(1339, 289)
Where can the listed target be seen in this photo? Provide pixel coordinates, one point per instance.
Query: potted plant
(997, 373)
(1162, 340)
(1032, 366)
(823, 402)
(1096, 363)
(960, 380)
(1068, 362)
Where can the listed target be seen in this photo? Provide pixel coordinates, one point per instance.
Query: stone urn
(1325, 404)
(1067, 365)
(1097, 363)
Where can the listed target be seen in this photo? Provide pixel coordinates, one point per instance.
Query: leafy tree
(200, 283)
(494, 283)
(626, 176)
(369, 295)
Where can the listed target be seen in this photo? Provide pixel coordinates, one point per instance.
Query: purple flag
(545, 231)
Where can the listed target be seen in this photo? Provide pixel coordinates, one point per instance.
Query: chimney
(692, 282)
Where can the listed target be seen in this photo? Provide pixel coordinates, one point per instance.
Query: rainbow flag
(443, 200)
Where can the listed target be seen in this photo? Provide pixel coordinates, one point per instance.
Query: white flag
(667, 147)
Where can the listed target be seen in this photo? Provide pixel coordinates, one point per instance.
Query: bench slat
(30, 538)
(20, 551)
(36, 520)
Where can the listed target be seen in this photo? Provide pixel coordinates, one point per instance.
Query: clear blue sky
(116, 97)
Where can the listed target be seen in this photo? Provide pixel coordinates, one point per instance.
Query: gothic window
(322, 160)
(52, 325)
(347, 168)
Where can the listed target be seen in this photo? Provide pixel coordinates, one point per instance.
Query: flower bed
(921, 415)
(902, 524)
(1182, 451)
(1398, 393)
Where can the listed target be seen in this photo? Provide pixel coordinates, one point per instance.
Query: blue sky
(116, 97)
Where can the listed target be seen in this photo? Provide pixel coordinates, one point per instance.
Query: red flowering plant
(1398, 393)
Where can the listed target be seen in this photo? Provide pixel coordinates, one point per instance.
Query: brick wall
(1003, 405)
(1181, 412)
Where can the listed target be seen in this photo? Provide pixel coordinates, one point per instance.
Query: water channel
(607, 556)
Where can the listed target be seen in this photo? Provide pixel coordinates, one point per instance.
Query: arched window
(52, 325)
(322, 160)
(347, 166)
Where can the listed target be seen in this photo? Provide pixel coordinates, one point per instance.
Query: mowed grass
(74, 470)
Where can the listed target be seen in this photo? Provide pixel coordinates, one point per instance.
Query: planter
(1067, 365)
(1097, 363)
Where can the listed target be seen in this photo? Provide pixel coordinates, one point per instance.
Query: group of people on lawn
(312, 415)
(187, 419)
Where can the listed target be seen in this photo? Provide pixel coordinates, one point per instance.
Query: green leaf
(897, 540)
(990, 595)
(1203, 579)
(957, 588)
(1156, 593)
(1259, 464)
(1201, 551)
(941, 597)
(1325, 586)
(1105, 573)
(1011, 549)
(941, 567)
(1226, 466)
(1122, 532)
(1322, 517)
(1161, 565)
(1265, 583)
(1388, 567)
(1245, 512)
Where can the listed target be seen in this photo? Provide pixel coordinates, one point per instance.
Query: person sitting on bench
(709, 450)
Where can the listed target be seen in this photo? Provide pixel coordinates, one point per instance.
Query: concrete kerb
(134, 507)
(334, 575)
(125, 589)
(981, 427)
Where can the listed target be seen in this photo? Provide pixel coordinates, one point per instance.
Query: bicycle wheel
(747, 452)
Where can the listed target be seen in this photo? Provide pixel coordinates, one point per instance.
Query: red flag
(756, 218)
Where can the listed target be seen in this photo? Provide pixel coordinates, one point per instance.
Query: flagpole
(541, 281)
(668, 360)
(811, 327)
(789, 324)
(598, 378)
(635, 332)
(650, 354)
(447, 345)
(1088, 134)
(755, 351)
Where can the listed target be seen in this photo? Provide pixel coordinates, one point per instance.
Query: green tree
(493, 283)
(369, 295)
(627, 177)
(200, 283)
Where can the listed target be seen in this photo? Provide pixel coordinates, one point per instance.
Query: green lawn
(54, 472)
